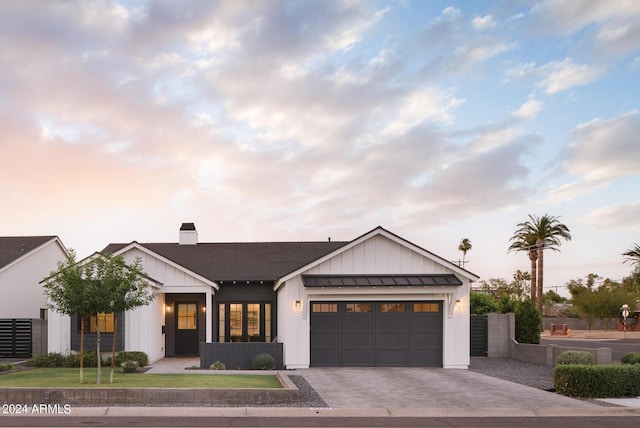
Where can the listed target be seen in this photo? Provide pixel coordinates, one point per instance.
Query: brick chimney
(188, 234)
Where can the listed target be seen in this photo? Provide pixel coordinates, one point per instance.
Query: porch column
(209, 315)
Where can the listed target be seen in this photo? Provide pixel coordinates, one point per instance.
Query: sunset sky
(303, 120)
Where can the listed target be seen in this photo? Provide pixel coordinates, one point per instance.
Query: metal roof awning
(380, 280)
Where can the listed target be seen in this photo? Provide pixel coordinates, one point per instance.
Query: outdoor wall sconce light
(298, 305)
(204, 309)
(167, 308)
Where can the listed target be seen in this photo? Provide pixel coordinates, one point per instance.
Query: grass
(70, 378)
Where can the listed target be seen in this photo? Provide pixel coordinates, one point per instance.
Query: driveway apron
(427, 388)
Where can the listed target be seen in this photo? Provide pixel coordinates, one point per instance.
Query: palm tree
(547, 231)
(632, 255)
(527, 242)
(465, 246)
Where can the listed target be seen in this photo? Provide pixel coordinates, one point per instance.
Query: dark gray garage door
(371, 334)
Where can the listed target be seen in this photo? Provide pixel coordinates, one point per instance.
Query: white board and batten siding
(379, 255)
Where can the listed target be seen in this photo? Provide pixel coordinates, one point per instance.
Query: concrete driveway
(428, 388)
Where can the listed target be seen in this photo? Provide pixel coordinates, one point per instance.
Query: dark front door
(187, 328)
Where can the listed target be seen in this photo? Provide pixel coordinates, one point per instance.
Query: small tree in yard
(528, 322)
(126, 289)
(102, 284)
(67, 294)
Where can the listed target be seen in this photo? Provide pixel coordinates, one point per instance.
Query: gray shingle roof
(14, 247)
(241, 261)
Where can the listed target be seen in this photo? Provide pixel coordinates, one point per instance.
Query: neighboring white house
(378, 300)
(24, 262)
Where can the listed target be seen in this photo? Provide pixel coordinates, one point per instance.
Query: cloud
(565, 74)
(529, 109)
(568, 16)
(612, 28)
(483, 22)
(599, 152)
(618, 216)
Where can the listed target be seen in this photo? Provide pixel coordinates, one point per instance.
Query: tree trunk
(540, 272)
(81, 348)
(113, 348)
(533, 256)
(99, 377)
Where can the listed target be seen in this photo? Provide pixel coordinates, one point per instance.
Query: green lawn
(63, 378)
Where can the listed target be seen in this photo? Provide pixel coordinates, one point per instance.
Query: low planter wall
(548, 354)
(152, 396)
(238, 355)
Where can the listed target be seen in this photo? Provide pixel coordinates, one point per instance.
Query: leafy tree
(465, 246)
(526, 242)
(99, 284)
(521, 283)
(507, 304)
(554, 297)
(583, 300)
(528, 322)
(482, 304)
(547, 231)
(67, 294)
(607, 303)
(125, 287)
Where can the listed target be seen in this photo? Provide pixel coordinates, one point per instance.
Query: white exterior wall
(58, 333)
(20, 288)
(377, 255)
(143, 329)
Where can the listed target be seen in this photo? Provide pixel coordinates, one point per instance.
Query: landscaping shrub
(129, 366)
(599, 381)
(263, 362)
(576, 357)
(631, 358)
(52, 359)
(5, 367)
(218, 365)
(528, 322)
(137, 356)
(73, 360)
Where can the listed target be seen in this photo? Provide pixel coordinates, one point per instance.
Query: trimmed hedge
(598, 381)
(576, 357)
(55, 359)
(631, 358)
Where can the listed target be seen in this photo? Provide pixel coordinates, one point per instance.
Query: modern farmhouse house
(378, 300)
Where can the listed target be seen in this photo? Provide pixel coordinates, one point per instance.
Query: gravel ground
(529, 374)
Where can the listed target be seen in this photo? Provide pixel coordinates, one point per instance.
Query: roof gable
(380, 231)
(13, 248)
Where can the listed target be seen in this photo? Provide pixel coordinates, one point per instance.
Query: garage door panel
(358, 341)
(358, 358)
(391, 334)
(392, 358)
(426, 358)
(392, 341)
(356, 323)
(393, 324)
